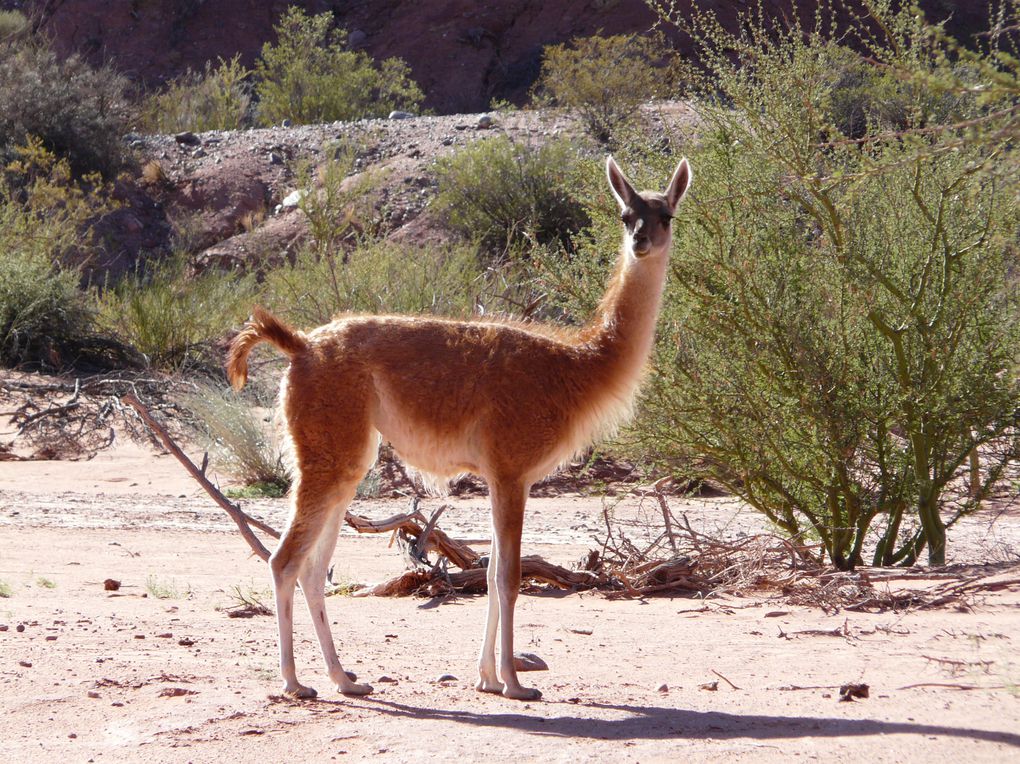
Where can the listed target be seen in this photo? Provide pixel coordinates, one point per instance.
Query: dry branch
(239, 517)
(706, 566)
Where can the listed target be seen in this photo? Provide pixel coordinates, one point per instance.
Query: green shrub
(239, 438)
(512, 195)
(310, 76)
(172, 317)
(76, 111)
(336, 206)
(840, 327)
(44, 217)
(605, 80)
(217, 99)
(379, 277)
(12, 23)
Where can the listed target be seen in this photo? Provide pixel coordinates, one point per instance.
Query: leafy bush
(240, 438)
(605, 80)
(12, 23)
(310, 76)
(379, 277)
(171, 317)
(336, 206)
(76, 111)
(840, 326)
(217, 99)
(44, 216)
(512, 195)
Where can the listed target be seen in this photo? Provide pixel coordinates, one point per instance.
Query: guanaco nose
(640, 237)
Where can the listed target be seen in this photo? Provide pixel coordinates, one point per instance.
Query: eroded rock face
(463, 53)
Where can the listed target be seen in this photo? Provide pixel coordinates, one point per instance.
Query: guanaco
(505, 400)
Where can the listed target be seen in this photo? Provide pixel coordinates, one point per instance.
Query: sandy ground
(157, 671)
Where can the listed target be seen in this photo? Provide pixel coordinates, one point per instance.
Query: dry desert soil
(157, 671)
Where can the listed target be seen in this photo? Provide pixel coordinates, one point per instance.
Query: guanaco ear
(621, 187)
(678, 184)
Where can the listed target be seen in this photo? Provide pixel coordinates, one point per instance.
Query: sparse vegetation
(45, 583)
(247, 601)
(44, 216)
(76, 112)
(170, 316)
(606, 80)
(379, 277)
(513, 195)
(12, 23)
(5, 590)
(241, 441)
(165, 590)
(257, 490)
(219, 98)
(310, 75)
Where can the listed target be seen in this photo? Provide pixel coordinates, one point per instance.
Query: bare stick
(724, 679)
(240, 518)
(666, 519)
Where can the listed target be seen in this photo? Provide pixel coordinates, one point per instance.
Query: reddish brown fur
(504, 400)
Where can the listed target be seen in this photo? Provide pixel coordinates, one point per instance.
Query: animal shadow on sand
(656, 723)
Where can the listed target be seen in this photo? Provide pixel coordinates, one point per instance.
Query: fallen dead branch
(417, 535)
(679, 560)
(242, 520)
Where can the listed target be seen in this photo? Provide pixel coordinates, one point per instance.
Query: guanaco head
(647, 215)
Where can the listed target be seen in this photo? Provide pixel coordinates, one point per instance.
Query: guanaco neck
(621, 333)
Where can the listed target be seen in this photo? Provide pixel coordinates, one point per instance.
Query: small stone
(400, 115)
(710, 686)
(294, 198)
(72, 735)
(529, 662)
(93, 694)
(446, 678)
(4, 627)
(139, 636)
(19, 628)
(25, 664)
(447, 141)
(198, 153)
(51, 637)
(356, 37)
(187, 138)
(663, 688)
(275, 158)
(185, 642)
(384, 679)
(175, 692)
(286, 123)
(485, 122)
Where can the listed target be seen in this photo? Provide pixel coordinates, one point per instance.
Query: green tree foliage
(605, 80)
(309, 75)
(840, 328)
(76, 111)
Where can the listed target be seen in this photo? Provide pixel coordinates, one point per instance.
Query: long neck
(623, 328)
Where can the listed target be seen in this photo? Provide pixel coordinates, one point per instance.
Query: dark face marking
(647, 219)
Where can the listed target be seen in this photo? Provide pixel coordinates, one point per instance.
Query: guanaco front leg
(488, 679)
(508, 500)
